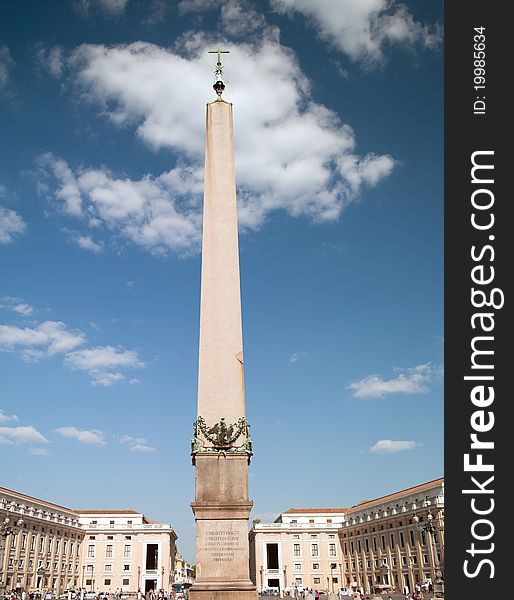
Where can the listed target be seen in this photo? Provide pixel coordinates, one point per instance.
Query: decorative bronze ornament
(222, 437)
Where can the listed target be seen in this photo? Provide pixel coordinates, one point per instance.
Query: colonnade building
(44, 546)
(391, 542)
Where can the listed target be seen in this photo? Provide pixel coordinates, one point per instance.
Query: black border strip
(477, 121)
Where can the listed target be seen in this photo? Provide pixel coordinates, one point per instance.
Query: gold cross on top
(219, 52)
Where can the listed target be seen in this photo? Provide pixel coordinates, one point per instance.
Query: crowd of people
(84, 594)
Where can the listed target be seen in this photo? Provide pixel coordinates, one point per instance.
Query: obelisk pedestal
(221, 446)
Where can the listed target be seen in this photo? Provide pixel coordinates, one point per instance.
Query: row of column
(26, 576)
(399, 575)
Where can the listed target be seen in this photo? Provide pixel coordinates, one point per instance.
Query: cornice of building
(423, 497)
(28, 506)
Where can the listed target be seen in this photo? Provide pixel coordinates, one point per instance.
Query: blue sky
(338, 110)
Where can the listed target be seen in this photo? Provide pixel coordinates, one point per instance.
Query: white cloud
(292, 154)
(50, 60)
(296, 356)
(93, 437)
(23, 309)
(11, 225)
(411, 381)
(145, 211)
(17, 305)
(21, 435)
(362, 29)
(138, 444)
(6, 64)
(87, 243)
(393, 447)
(47, 339)
(4, 418)
(157, 12)
(38, 451)
(134, 381)
(237, 17)
(103, 363)
(107, 7)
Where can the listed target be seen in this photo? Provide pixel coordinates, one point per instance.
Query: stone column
(221, 447)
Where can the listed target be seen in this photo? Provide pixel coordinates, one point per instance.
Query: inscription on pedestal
(222, 544)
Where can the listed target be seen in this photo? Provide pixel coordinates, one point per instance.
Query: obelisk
(221, 445)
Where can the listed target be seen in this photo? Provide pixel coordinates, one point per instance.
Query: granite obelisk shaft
(221, 446)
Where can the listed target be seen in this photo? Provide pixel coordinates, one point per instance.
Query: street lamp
(431, 526)
(7, 526)
(285, 579)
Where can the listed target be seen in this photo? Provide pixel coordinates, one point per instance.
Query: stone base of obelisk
(198, 592)
(222, 510)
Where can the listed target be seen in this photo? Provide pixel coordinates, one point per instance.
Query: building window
(89, 581)
(108, 568)
(108, 551)
(423, 538)
(298, 580)
(294, 521)
(412, 542)
(128, 537)
(314, 550)
(314, 536)
(359, 545)
(335, 579)
(425, 558)
(392, 541)
(383, 542)
(129, 522)
(296, 549)
(311, 520)
(110, 537)
(331, 536)
(366, 543)
(126, 567)
(107, 582)
(317, 580)
(92, 537)
(127, 551)
(94, 522)
(329, 520)
(297, 567)
(375, 544)
(345, 548)
(91, 551)
(126, 581)
(315, 566)
(111, 522)
(402, 541)
(332, 550)
(296, 536)
(352, 547)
